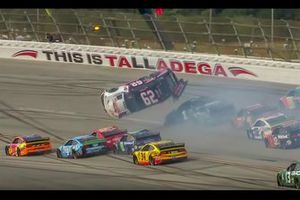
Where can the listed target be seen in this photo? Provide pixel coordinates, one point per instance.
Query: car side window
(297, 168)
(69, 143)
(74, 142)
(259, 123)
(146, 148)
(119, 97)
(124, 138)
(16, 141)
(94, 134)
(130, 138)
(291, 93)
(291, 167)
(151, 148)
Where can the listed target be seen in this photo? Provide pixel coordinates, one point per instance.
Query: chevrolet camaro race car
(159, 152)
(202, 110)
(142, 93)
(264, 125)
(25, 145)
(112, 135)
(247, 116)
(81, 146)
(290, 177)
(291, 100)
(135, 140)
(286, 135)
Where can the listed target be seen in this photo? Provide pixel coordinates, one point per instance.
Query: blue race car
(134, 140)
(81, 146)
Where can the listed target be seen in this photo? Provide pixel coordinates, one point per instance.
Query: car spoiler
(179, 88)
(169, 146)
(114, 132)
(38, 141)
(94, 141)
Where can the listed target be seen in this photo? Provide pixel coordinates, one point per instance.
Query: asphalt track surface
(62, 101)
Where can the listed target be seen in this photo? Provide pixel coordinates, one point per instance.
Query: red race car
(25, 145)
(112, 135)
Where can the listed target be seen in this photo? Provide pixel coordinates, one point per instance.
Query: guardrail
(189, 63)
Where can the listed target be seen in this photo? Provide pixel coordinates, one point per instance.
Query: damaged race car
(135, 140)
(202, 110)
(284, 136)
(291, 101)
(26, 145)
(247, 116)
(264, 125)
(142, 93)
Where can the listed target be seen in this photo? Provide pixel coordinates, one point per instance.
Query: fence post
(157, 32)
(238, 38)
(266, 40)
(32, 27)
(7, 28)
(82, 28)
(211, 37)
(57, 28)
(107, 30)
(184, 35)
(292, 37)
(131, 31)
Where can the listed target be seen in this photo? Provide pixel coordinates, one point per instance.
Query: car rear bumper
(160, 160)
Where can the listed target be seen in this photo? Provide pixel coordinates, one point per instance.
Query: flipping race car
(25, 145)
(264, 125)
(291, 100)
(81, 146)
(202, 110)
(247, 116)
(290, 177)
(160, 152)
(112, 135)
(286, 135)
(135, 140)
(142, 93)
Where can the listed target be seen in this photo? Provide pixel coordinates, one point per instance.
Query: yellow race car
(155, 153)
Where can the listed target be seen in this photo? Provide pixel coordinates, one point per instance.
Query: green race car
(290, 177)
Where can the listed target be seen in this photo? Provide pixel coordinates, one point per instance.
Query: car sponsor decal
(30, 53)
(238, 70)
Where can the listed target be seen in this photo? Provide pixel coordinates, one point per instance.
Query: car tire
(135, 160)
(114, 150)
(74, 155)
(152, 161)
(7, 151)
(278, 181)
(297, 184)
(58, 153)
(18, 152)
(249, 135)
(266, 143)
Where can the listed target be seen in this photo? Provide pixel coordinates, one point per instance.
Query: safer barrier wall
(198, 64)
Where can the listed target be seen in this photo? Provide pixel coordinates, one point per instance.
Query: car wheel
(278, 181)
(152, 161)
(7, 151)
(249, 135)
(114, 150)
(266, 143)
(74, 155)
(135, 160)
(18, 152)
(58, 153)
(297, 184)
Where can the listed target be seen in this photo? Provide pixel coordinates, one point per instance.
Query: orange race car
(24, 145)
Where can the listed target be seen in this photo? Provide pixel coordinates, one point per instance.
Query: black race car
(142, 93)
(202, 110)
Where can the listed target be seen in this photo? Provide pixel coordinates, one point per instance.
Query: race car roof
(144, 133)
(31, 138)
(85, 138)
(110, 131)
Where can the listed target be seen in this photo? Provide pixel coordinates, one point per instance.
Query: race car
(26, 145)
(247, 116)
(285, 135)
(81, 146)
(142, 93)
(202, 110)
(135, 140)
(290, 177)
(112, 135)
(156, 153)
(291, 100)
(264, 125)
